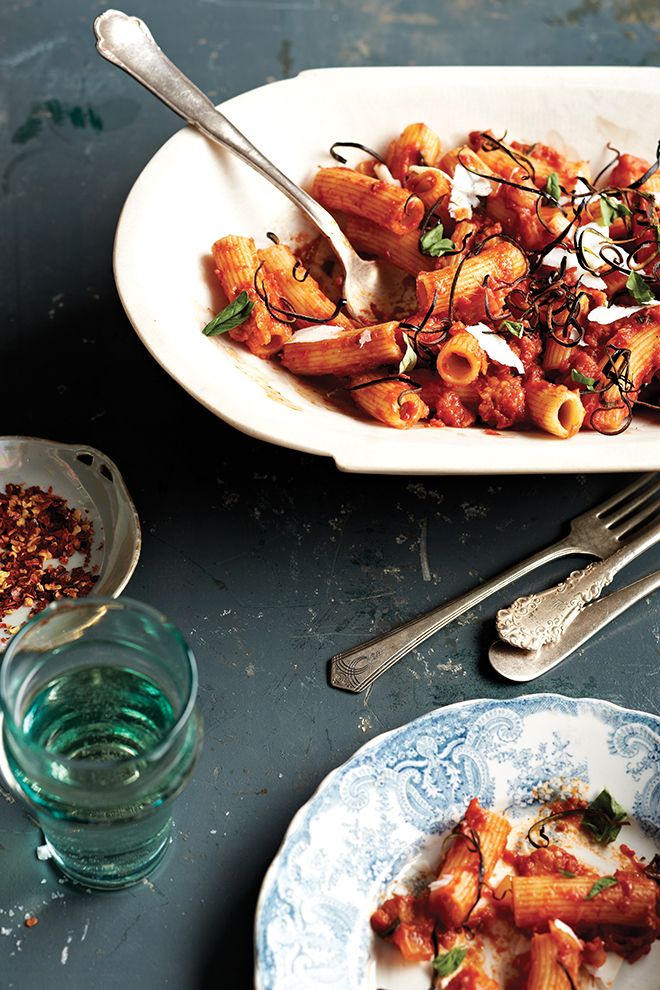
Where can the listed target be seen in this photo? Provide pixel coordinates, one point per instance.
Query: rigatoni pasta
(537, 291)
(494, 916)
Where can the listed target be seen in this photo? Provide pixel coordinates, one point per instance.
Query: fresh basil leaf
(589, 383)
(610, 209)
(601, 884)
(231, 316)
(434, 242)
(448, 962)
(552, 187)
(567, 873)
(638, 288)
(604, 817)
(409, 359)
(517, 329)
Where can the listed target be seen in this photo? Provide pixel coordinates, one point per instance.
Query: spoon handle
(538, 620)
(128, 42)
(526, 665)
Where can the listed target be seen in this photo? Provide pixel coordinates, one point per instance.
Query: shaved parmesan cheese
(582, 190)
(554, 258)
(466, 189)
(309, 334)
(443, 881)
(566, 929)
(605, 975)
(364, 338)
(495, 346)
(609, 314)
(383, 173)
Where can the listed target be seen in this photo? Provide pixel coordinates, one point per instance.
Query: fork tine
(634, 521)
(629, 507)
(619, 497)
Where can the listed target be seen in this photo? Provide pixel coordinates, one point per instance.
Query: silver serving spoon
(525, 665)
(128, 43)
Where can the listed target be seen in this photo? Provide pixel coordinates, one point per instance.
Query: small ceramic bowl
(89, 481)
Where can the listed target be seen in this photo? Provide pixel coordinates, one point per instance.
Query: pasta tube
(236, 263)
(303, 294)
(503, 263)
(393, 402)
(555, 408)
(553, 956)
(384, 204)
(476, 846)
(346, 354)
(401, 250)
(628, 902)
(461, 360)
(416, 145)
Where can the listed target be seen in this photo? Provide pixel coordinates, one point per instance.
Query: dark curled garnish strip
(568, 976)
(385, 378)
(472, 252)
(415, 387)
(425, 229)
(440, 334)
(298, 267)
(521, 160)
(649, 172)
(616, 372)
(286, 313)
(537, 830)
(503, 182)
(354, 144)
(608, 166)
(409, 201)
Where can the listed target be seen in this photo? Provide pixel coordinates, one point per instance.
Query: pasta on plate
(537, 287)
(536, 911)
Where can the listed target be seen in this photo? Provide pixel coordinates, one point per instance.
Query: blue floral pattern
(371, 815)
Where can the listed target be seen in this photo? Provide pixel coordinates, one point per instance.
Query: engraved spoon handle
(356, 669)
(535, 621)
(127, 42)
(526, 665)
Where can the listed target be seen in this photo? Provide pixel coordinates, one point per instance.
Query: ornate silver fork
(597, 533)
(127, 42)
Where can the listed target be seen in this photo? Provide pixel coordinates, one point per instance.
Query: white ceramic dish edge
(355, 445)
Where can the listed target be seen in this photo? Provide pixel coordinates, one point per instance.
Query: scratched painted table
(269, 560)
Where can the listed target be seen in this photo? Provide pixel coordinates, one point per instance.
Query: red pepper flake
(31, 921)
(39, 533)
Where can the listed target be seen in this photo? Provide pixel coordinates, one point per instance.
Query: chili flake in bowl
(67, 527)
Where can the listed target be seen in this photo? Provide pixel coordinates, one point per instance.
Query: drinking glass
(100, 733)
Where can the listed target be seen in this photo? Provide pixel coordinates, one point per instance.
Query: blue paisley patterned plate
(393, 798)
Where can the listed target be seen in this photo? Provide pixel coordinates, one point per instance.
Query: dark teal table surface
(270, 561)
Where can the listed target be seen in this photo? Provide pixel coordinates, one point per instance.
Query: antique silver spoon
(127, 42)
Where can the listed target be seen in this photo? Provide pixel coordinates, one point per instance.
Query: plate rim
(270, 874)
